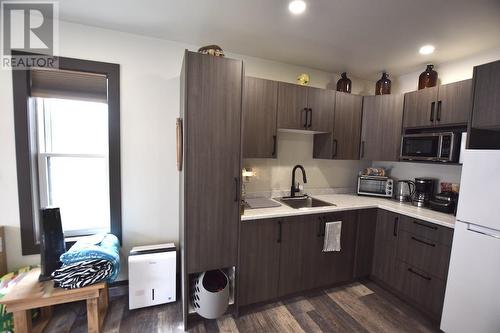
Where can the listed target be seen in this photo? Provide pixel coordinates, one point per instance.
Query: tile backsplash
(297, 148)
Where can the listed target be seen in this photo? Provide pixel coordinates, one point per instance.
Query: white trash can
(210, 294)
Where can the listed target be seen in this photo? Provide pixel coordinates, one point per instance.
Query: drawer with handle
(428, 230)
(423, 289)
(428, 255)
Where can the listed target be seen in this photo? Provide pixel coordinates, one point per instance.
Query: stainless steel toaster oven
(375, 186)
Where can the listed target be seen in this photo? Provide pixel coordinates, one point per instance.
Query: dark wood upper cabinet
(212, 87)
(454, 103)
(343, 143)
(305, 108)
(321, 104)
(381, 127)
(486, 108)
(443, 105)
(259, 261)
(292, 106)
(260, 102)
(420, 107)
(347, 128)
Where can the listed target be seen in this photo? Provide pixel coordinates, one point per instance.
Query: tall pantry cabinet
(210, 191)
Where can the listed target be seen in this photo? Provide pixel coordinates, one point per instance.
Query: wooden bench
(30, 294)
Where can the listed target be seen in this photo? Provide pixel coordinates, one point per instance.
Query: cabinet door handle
(320, 220)
(395, 227)
(422, 241)
(335, 145)
(304, 111)
(362, 149)
(419, 275)
(438, 114)
(433, 105)
(433, 227)
(279, 231)
(310, 112)
(236, 188)
(274, 146)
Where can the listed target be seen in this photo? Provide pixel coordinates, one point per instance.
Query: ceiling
(362, 37)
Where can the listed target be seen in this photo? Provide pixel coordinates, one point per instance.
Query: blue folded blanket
(101, 246)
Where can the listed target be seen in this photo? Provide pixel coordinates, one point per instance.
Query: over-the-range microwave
(432, 147)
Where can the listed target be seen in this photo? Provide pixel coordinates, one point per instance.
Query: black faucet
(293, 190)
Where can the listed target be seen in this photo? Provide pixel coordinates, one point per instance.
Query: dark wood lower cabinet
(298, 257)
(412, 258)
(284, 256)
(365, 239)
(259, 262)
(336, 267)
(303, 263)
(422, 289)
(424, 253)
(384, 258)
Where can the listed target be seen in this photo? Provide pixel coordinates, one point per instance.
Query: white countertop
(353, 202)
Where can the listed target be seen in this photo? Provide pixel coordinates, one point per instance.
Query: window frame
(23, 139)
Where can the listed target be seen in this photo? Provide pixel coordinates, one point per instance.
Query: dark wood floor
(358, 307)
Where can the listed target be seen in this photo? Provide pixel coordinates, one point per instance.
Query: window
(67, 125)
(72, 143)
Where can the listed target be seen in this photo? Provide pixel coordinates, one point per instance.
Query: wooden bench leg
(103, 305)
(22, 321)
(93, 315)
(104, 299)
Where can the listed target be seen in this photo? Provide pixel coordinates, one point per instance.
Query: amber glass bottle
(383, 86)
(427, 78)
(344, 83)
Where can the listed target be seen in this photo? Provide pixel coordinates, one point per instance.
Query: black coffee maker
(424, 189)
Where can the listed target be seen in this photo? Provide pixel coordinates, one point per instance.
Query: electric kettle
(405, 190)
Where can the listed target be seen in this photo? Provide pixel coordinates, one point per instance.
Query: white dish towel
(332, 236)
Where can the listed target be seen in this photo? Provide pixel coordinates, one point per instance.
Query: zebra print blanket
(82, 273)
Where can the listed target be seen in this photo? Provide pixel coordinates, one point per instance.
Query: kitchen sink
(304, 202)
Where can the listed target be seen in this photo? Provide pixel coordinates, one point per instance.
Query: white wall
(150, 71)
(272, 70)
(447, 73)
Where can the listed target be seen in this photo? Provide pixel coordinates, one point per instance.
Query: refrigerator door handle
(483, 231)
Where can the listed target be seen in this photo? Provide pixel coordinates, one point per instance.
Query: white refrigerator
(472, 299)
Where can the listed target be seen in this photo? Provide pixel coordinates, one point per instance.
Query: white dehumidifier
(151, 275)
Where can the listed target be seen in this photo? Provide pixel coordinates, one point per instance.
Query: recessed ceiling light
(297, 6)
(427, 49)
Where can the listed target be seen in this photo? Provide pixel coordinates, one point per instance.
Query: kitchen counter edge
(357, 203)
